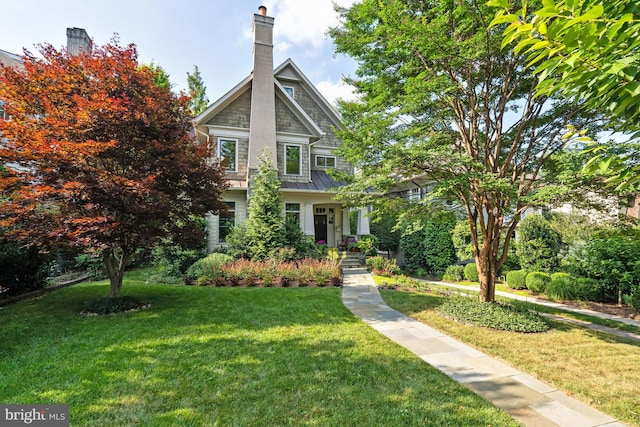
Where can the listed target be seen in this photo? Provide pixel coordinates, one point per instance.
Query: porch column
(363, 221)
(309, 228)
(346, 224)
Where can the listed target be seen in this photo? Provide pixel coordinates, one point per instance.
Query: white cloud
(333, 91)
(307, 22)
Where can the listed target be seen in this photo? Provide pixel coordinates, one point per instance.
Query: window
(326, 161)
(289, 90)
(293, 156)
(228, 150)
(292, 213)
(226, 221)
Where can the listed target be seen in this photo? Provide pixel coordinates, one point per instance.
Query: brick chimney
(262, 132)
(78, 40)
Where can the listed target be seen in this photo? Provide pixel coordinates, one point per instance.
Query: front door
(320, 224)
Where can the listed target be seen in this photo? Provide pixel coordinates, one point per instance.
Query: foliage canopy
(442, 102)
(100, 156)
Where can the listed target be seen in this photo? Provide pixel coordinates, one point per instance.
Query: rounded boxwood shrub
(453, 273)
(208, 268)
(516, 279)
(471, 272)
(561, 287)
(537, 281)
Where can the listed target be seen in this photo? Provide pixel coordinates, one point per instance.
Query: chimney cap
(262, 10)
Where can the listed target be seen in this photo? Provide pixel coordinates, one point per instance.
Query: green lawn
(597, 368)
(222, 356)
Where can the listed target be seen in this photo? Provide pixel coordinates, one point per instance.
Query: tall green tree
(440, 99)
(588, 50)
(160, 76)
(197, 92)
(264, 229)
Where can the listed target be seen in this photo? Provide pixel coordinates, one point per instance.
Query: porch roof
(320, 181)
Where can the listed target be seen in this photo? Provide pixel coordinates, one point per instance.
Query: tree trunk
(115, 269)
(487, 280)
(486, 264)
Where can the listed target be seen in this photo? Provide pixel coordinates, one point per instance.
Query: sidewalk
(528, 400)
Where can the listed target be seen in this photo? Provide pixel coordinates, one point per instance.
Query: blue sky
(215, 35)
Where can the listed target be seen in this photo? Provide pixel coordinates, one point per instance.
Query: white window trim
(326, 157)
(299, 161)
(234, 211)
(298, 211)
(293, 90)
(220, 139)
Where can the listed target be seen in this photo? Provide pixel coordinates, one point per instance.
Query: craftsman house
(278, 111)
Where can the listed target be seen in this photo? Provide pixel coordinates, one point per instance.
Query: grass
(222, 356)
(599, 369)
(536, 307)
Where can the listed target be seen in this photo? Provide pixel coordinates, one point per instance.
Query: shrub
(635, 299)
(209, 267)
(305, 272)
(537, 281)
(23, 269)
(383, 226)
(454, 273)
(587, 289)
(113, 305)
(380, 264)
(471, 272)
(516, 279)
(561, 287)
(612, 257)
(173, 261)
(368, 244)
(538, 244)
(427, 244)
(492, 315)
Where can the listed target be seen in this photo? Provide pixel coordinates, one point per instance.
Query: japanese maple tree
(99, 156)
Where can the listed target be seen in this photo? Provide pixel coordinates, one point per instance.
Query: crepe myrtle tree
(440, 100)
(100, 156)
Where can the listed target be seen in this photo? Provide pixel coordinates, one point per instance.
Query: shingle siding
(237, 114)
(286, 121)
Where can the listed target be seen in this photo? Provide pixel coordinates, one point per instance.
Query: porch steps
(351, 259)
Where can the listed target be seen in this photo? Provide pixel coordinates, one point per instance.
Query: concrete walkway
(529, 401)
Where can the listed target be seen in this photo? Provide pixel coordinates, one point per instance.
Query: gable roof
(287, 71)
(9, 59)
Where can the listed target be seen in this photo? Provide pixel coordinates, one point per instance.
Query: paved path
(529, 401)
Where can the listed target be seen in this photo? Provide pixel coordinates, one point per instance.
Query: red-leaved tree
(99, 156)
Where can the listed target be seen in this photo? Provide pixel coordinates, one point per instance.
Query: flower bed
(268, 273)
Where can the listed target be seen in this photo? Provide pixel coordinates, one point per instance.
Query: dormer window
(289, 90)
(326, 161)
